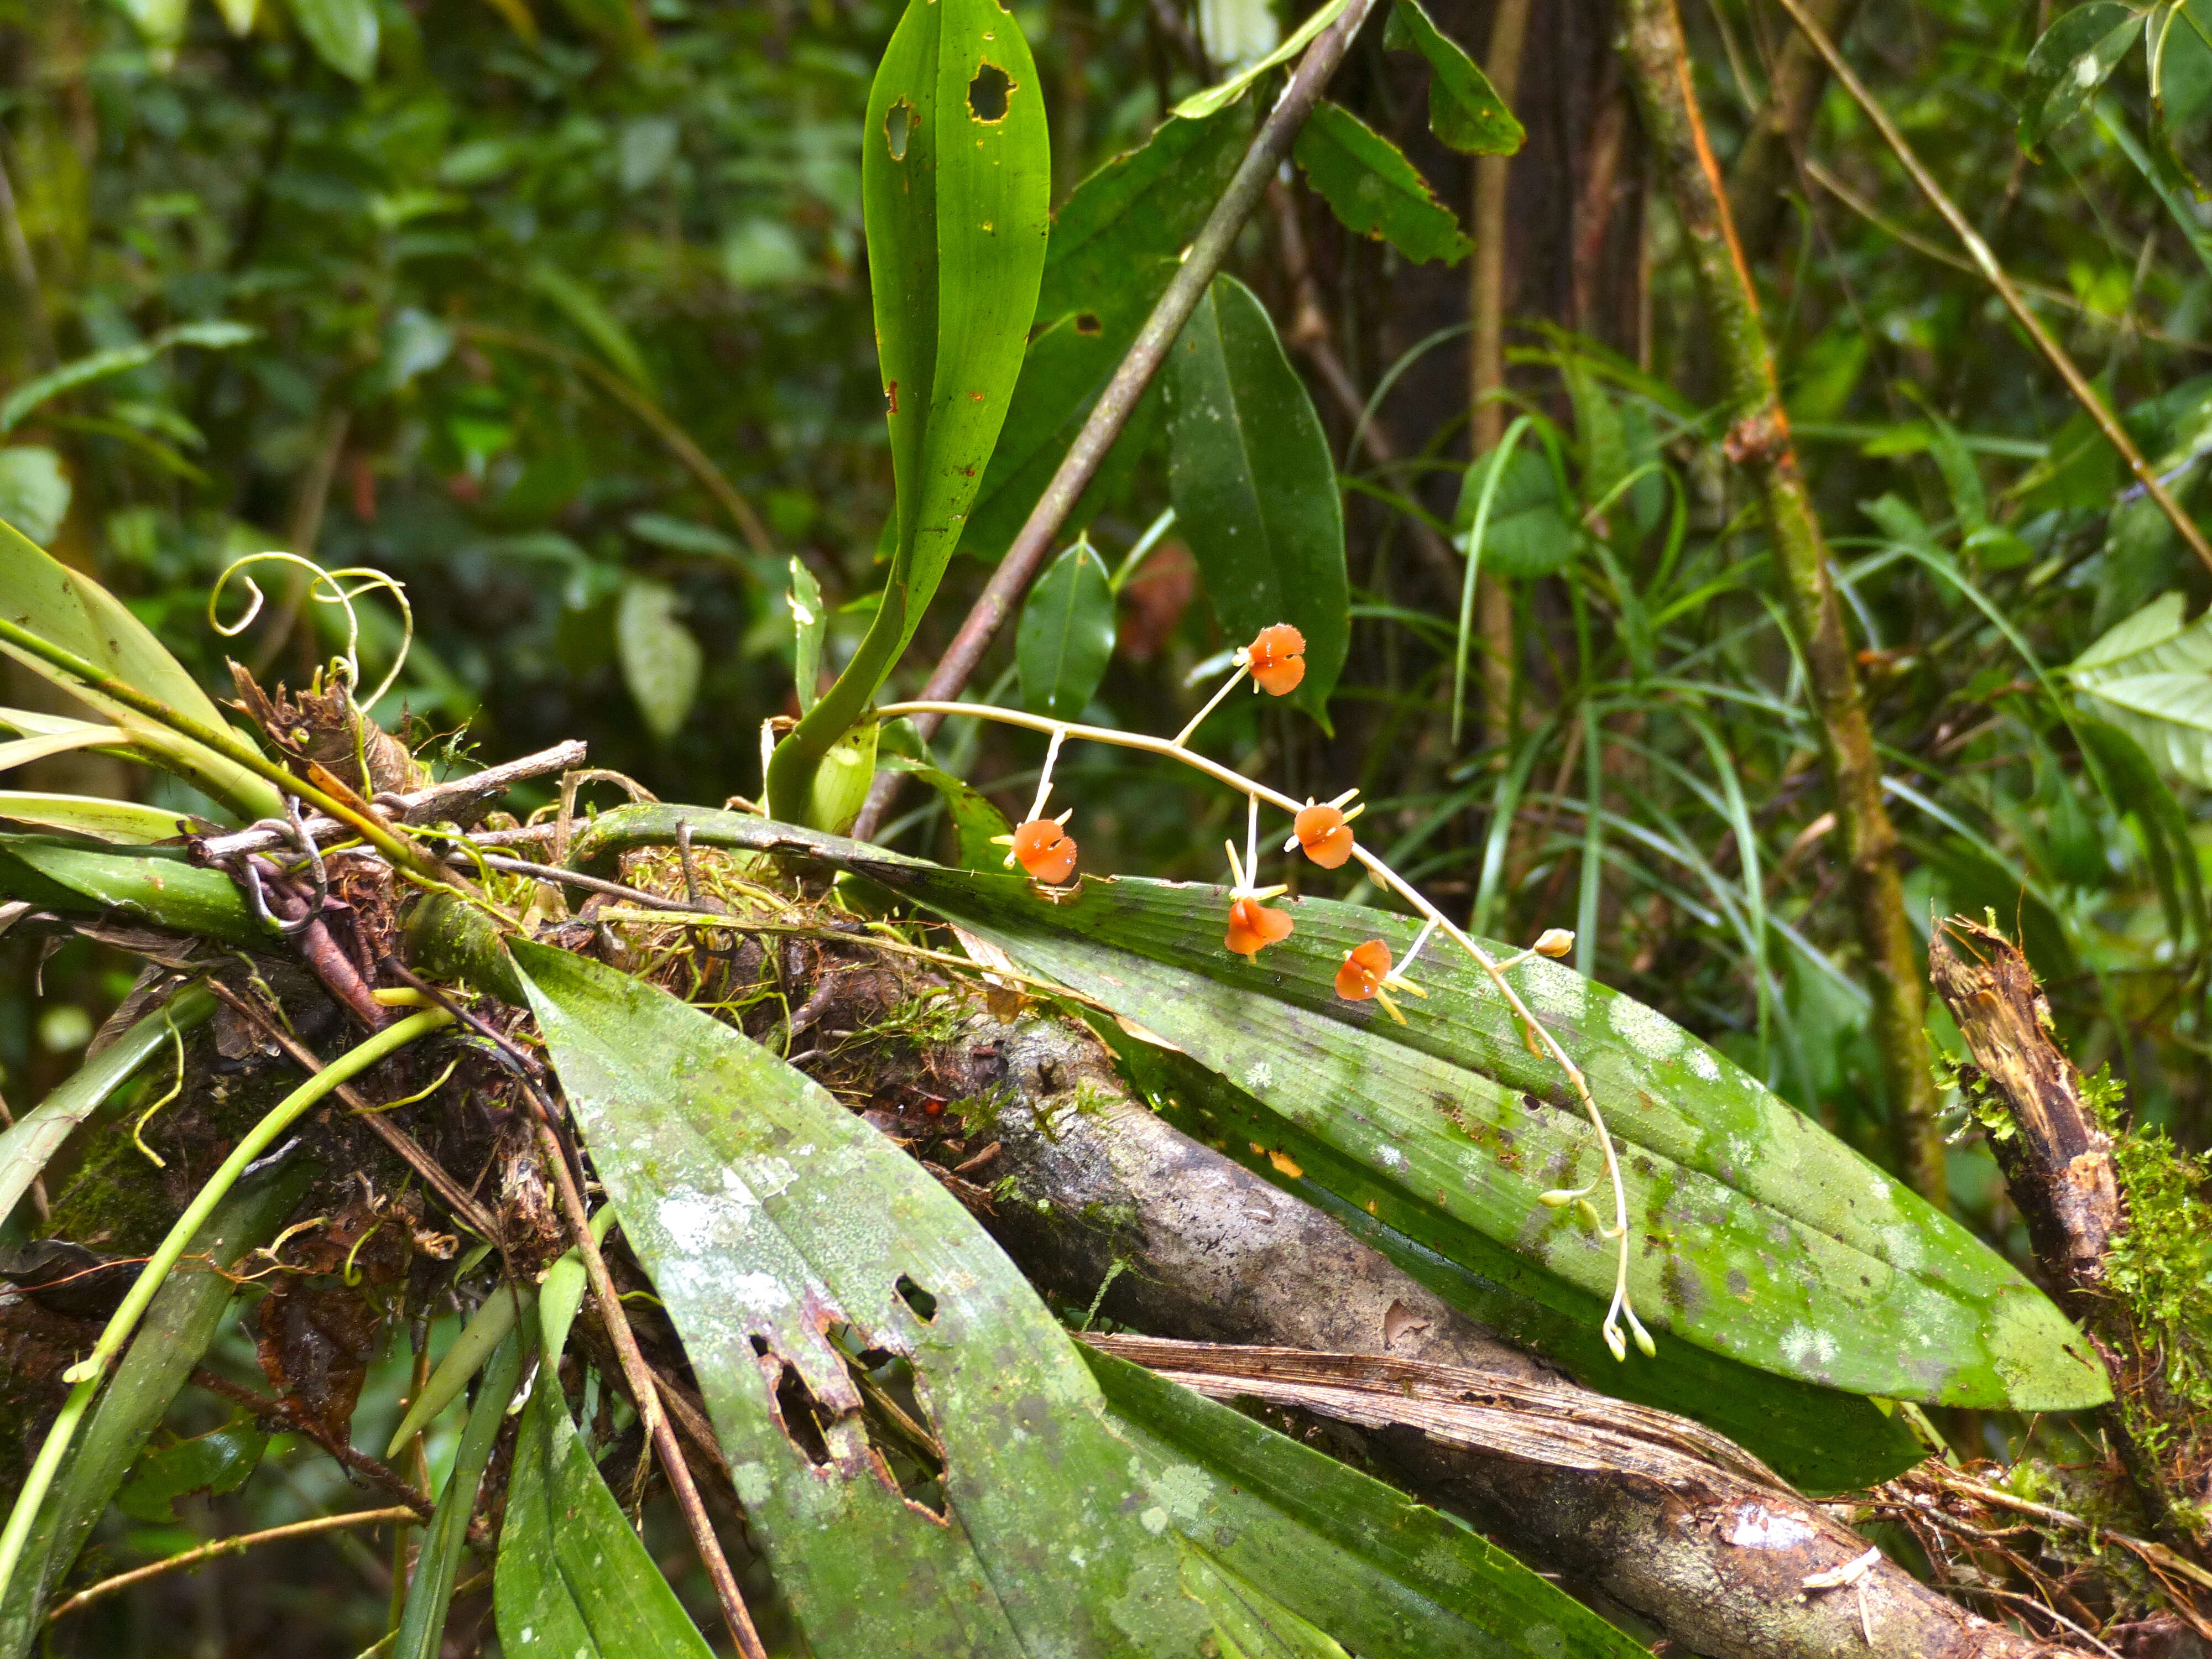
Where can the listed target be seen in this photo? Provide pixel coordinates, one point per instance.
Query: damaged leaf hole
(923, 1303)
(898, 127)
(988, 91)
(1086, 322)
(899, 1429)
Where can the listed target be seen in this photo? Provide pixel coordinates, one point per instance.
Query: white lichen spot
(1754, 1527)
(1649, 1033)
(752, 1482)
(1390, 1156)
(1259, 1075)
(1185, 1489)
(1807, 1347)
(1154, 1520)
(1551, 989)
(1740, 1149)
(1880, 1188)
(529, 1635)
(759, 1292)
(1703, 1064)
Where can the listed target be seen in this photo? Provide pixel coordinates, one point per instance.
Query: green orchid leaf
(1464, 109)
(1335, 1550)
(68, 609)
(810, 621)
(1255, 486)
(125, 823)
(1373, 190)
(1066, 636)
(786, 1239)
(437, 1565)
(153, 884)
(573, 1581)
(2075, 57)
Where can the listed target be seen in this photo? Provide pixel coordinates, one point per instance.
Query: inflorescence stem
(1257, 793)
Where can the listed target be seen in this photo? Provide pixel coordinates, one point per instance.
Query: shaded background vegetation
(561, 317)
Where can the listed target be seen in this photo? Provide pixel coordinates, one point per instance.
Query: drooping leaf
(1139, 210)
(573, 1581)
(125, 822)
(2151, 676)
(2076, 56)
(660, 657)
(1819, 1439)
(1373, 190)
(21, 751)
(68, 609)
(179, 1324)
(437, 1565)
(24, 398)
(769, 1216)
(1065, 637)
(30, 1143)
(1528, 533)
(1255, 485)
(1347, 1554)
(1217, 98)
(976, 820)
(34, 491)
(152, 885)
(1464, 109)
(1763, 1238)
(343, 33)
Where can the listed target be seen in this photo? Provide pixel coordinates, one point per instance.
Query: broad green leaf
(220, 1461)
(976, 821)
(120, 359)
(341, 32)
(160, 23)
(1528, 533)
(841, 783)
(1464, 109)
(768, 1215)
(660, 657)
(1820, 1440)
(34, 491)
(955, 179)
(2075, 56)
(2129, 777)
(1764, 1238)
(179, 1324)
(1248, 1622)
(125, 822)
(1255, 485)
(2152, 676)
(437, 1565)
(1216, 99)
(1067, 368)
(29, 1145)
(1065, 637)
(584, 308)
(810, 622)
(1373, 190)
(573, 1581)
(148, 884)
(70, 610)
(1139, 210)
(2082, 470)
(1376, 1571)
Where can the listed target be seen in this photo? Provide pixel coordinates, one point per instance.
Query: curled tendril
(324, 587)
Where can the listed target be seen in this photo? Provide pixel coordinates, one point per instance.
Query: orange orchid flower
(1366, 967)
(1277, 660)
(1252, 926)
(1044, 849)
(1323, 830)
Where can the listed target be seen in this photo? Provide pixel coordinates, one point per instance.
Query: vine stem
(399, 1515)
(1987, 262)
(88, 1372)
(1116, 405)
(1257, 793)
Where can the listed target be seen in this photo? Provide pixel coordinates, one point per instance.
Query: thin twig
(187, 1559)
(1987, 262)
(1026, 554)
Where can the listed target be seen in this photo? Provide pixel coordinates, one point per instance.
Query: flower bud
(1555, 942)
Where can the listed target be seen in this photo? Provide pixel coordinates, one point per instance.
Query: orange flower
(1045, 850)
(1252, 926)
(1277, 660)
(1365, 968)
(1325, 835)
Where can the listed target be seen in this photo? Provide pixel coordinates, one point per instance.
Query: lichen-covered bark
(1086, 1177)
(1758, 441)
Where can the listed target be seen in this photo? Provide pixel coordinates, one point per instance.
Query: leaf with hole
(1255, 485)
(788, 1240)
(2075, 56)
(574, 1580)
(1464, 109)
(1065, 637)
(1373, 190)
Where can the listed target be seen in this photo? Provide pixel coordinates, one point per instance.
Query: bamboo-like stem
(1758, 441)
(88, 1373)
(187, 1559)
(1026, 554)
(1987, 262)
(645, 1392)
(1257, 793)
(1493, 597)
